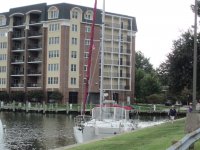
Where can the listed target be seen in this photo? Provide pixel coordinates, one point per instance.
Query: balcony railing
(33, 85)
(17, 73)
(33, 21)
(18, 48)
(34, 33)
(34, 72)
(17, 85)
(18, 35)
(34, 59)
(18, 23)
(17, 60)
(34, 46)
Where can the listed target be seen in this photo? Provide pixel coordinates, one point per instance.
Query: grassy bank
(157, 137)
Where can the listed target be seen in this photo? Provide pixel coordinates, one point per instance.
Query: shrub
(156, 99)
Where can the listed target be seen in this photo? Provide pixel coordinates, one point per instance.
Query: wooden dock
(43, 107)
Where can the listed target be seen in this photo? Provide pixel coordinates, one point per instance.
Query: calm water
(35, 131)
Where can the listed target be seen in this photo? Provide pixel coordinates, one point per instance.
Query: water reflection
(35, 131)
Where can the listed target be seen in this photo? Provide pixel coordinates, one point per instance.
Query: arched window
(76, 13)
(53, 12)
(2, 20)
(88, 15)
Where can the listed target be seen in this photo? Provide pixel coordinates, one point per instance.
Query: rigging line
(98, 58)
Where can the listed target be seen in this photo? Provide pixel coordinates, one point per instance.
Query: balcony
(34, 60)
(34, 46)
(35, 21)
(35, 34)
(18, 23)
(18, 35)
(17, 73)
(18, 85)
(33, 72)
(18, 48)
(34, 85)
(17, 61)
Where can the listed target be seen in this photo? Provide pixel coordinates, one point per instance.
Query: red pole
(89, 57)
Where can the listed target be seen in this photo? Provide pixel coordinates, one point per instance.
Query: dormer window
(76, 13)
(2, 20)
(53, 12)
(88, 15)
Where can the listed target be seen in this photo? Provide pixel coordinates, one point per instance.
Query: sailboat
(108, 118)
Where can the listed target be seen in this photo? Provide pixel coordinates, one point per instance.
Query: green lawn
(158, 137)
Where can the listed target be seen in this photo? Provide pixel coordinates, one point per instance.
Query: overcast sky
(159, 22)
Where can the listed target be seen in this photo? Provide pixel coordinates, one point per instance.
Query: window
(122, 25)
(2, 81)
(85, 67)
(73, 67)
(2, 69)
(3, 45)
(3, 34)
(52, 80)
(3, 57)
(54, 27)
(73, 81)
(122, 37)
(121, 48)
(54, 40)
(87, 42)
(74, 41)
(53, 12)
(121, 61)
(121, 73)
(74, 28)
(87, 29)
(86, 54)
(53, 53)
(88, 15)
(2, 20)
(75, 14)
(73, 54)
(53, 67)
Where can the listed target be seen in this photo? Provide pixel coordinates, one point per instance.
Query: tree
(143, 63)
(18, 96)
(55, 96)
(198, 8)
(150, 85)
(163, 73)
(179, 64)
(146, 80)
(4, 96)
(35, 96)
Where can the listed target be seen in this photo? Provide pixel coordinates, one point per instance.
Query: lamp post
(195, 58)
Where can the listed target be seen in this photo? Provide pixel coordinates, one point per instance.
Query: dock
(43, 107)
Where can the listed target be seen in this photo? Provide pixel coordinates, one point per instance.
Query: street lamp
(195, 58)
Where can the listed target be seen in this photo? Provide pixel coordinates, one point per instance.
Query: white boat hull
(99, 129)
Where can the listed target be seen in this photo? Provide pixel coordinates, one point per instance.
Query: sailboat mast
(102, 59)
(89, 57)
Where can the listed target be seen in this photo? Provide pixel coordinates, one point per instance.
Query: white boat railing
(114, 113)
(81, 119)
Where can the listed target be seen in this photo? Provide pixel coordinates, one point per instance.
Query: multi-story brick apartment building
(45, 47)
